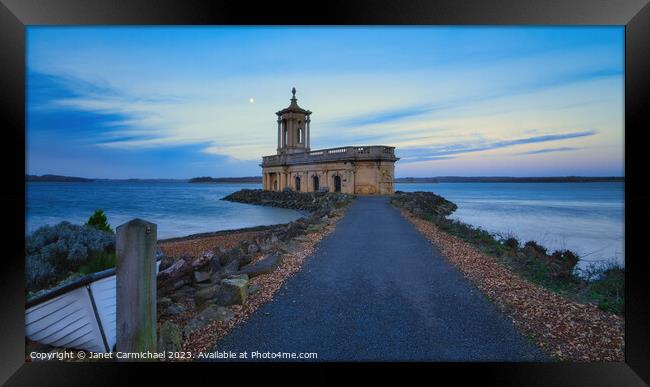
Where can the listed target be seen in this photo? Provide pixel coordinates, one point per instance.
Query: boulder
(184, 292)
(231, 268)
(208, 315)
(263, 266)
(253, 248)
(233, 291)
(174, 309)
(169, 337)
(164, 302)
(253, 288)
(201, 276)
(165, 262)
(228, 255)
(173, 277)
(205, 294)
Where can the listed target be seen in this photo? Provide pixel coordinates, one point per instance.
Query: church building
(361, 170)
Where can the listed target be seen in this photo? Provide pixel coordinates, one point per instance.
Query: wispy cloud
(438, 152)
(548, 150)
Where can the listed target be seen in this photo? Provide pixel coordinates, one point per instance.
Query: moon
(251, 100)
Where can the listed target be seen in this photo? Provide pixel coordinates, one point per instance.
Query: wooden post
(136, 286)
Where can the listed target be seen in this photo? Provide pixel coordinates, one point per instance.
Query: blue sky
(178, 102)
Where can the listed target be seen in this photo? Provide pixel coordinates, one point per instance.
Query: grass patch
(98, 262)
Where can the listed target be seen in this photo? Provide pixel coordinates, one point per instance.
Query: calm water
(584, 217)
(587, 218)
(178, 209)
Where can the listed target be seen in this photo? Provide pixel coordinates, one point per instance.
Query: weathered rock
(263, 266)
(164, 302)
(289, 246)
(265, 245)
(253, 248)
(208, 315)
(165, 263)
(184, 292)
(233, 291)
(253, 288)
(202, 262)
(169, 337)
(238, 276)
(231, 268)
(180, 283)
(206, 294)
(201, 276)
(175, 309)
(228, 255)
(173, 277)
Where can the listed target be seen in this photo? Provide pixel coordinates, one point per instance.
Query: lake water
(584, 217)
(587, 218)
(178, 209)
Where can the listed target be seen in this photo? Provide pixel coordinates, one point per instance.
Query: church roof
(293, 107)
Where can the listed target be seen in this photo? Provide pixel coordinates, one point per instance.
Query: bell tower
(293, 127)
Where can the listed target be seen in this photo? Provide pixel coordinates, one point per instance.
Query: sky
(180, 102)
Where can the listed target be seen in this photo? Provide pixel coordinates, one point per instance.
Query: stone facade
(361, 170)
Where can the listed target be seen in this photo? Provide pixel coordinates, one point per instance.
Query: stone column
(290, 133)
(307, 122)
(279, 134)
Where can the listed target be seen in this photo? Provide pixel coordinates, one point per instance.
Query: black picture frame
(15, 15)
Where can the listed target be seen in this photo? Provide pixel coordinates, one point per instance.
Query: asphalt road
(377, 290)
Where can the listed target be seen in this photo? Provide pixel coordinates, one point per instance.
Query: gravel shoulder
(566, 330)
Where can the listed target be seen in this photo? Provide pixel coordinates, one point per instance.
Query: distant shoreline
(505, 179)
(400, 180)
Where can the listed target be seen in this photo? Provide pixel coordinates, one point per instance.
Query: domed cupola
(293, 127)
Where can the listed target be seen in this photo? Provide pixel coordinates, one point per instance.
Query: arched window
(314, 181)
(299, 135)
(297, 183)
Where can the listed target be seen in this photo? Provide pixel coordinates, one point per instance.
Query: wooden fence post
(136, 286)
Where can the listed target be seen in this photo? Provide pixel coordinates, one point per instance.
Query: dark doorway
(297, 183)
(315, 183)
(337, 183)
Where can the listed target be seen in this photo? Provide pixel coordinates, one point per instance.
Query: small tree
(99, 221)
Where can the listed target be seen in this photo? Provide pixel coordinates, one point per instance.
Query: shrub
(532, 245)
(609, 290)
(99, 221)
(566, 258)
(52, 252)
(512, 243)
(38, 272)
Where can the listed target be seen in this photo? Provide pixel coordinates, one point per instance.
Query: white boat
(80, 314)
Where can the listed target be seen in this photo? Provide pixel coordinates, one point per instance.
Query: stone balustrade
(375, 152)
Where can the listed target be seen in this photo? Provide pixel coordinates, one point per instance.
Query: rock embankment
(197, 290)
(425, 205)
(306, 201)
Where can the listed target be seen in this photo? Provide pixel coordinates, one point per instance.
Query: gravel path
(376, 289)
